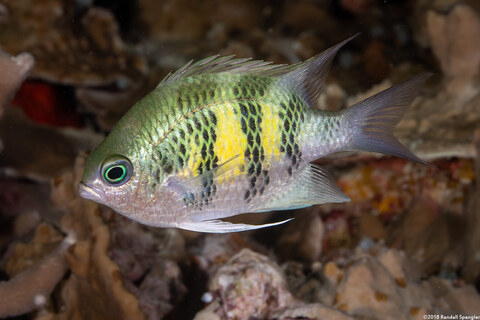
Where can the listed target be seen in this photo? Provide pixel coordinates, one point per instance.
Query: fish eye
(116, 171)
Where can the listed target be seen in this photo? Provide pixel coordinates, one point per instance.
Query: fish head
(110, 178)
(117, 174)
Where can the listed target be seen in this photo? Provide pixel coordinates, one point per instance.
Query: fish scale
(292, 114)
(248, 114)
(227, 136)
(250, 119)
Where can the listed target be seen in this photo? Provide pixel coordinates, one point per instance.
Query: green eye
(115, 174)
(117, 171)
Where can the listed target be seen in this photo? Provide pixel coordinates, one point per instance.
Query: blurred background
(406, 246)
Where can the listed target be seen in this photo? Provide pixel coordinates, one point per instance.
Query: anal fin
(314, 185)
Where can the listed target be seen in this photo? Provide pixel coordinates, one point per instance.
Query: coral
(249, 285)
(338, 233)
(55, 149)
(148, 260)
(24, 256)
(387, 187)
(91, 45)
(455, 40)
(454, 299)
(110, 105)
(160, 289)
(197, 18)
(302, 238)
(308, 283)
(94, 289)
(144, 282)
(443, 124)
(412, 208)
(311, 311)
(137, 248)
(375, 282)
(14, 71)
(369, 289)
(306, 15)
(22, 205)
(215, 250)
(372, 227)
(18, 227)
(385, 286)
(432, 237)
(471, 263)
(35, 273)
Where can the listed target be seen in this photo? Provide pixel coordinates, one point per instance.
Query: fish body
(227, 136)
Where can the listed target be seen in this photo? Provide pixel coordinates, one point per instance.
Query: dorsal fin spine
(309, 77)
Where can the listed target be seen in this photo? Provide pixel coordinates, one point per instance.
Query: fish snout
(87, 192)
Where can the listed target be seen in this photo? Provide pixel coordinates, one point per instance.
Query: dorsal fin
(218, 64)
(309, 76)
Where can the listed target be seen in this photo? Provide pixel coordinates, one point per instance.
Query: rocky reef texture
(377, 283)
(96, 287)
(406, 246)
(383, 284)
(250, 285)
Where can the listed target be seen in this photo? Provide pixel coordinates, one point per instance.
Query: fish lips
(88, 193)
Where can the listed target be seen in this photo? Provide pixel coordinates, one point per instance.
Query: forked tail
(371, 122)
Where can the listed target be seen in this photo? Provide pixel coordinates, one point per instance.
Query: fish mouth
(87, 192)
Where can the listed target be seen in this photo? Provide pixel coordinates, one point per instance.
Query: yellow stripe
(271, 134)
(231, 143)
(194, 159)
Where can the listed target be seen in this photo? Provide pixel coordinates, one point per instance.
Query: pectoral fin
(195, 182)
(219, 226)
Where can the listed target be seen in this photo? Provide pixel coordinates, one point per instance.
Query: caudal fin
(373, 120)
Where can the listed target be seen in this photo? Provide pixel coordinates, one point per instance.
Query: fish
(226, 136)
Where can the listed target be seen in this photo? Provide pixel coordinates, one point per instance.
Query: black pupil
(115, 173)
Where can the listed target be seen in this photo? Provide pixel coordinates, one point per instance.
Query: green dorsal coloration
(225, 136)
